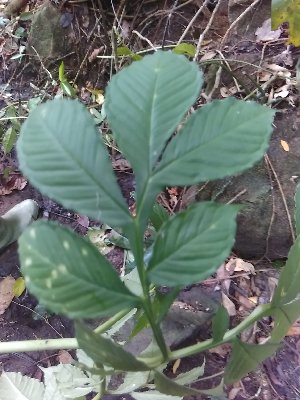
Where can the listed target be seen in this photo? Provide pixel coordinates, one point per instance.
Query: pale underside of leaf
(15, 386)
(104, 351)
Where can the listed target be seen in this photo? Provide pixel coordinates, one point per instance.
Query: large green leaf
(245, 358)
(64, 157)
(170, 387)
(289, 282)
(222, 138)
(286, 299)
(146, 101)
(193, 244)
(285, 310)
(104, 351)
(297, 207)
(284, 316)
(68, 275)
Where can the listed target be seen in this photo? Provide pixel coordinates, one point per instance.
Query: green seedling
(63, 155)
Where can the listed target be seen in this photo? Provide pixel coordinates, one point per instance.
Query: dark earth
(75, 32)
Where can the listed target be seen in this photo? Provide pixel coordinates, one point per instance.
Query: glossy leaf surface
(68, 275)
(222, 138)
(146, 101)
(193, 244)
(64, 157)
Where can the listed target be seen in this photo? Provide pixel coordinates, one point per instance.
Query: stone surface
(263, 227)
(47, 36)
(247, 25)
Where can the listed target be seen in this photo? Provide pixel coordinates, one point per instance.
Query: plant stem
(259, 312)
(38, 345)
(111, 321)
(138, 250)
(55, 344)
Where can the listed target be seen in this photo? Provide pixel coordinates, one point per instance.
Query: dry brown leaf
(64, 357)
(244, 301)
(222, 350)
(126, 29)
(285, 145)
(294, 329)
(233, 393)
(209, 55)
(14, 182)
(6, 293)
(265, 33)
(244, 266)
(229, 305)
(226, 92)
(264, 76)
(223, 275)
(94, 54)
(281, 71)
(253, 299)
(176, 366)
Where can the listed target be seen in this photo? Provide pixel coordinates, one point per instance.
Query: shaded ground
(277, 378)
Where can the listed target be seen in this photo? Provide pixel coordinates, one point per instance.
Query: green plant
(62, 154)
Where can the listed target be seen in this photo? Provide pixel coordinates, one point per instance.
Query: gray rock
(263, 226)
(247, 25)
(47, 36)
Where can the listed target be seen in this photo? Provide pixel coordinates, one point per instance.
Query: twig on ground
(208, 26)
(145, 39)
(192, 21)
(235, 22)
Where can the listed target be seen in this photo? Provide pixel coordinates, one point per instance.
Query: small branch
(192, 21)
(201, 38)
(235, 22)
(38, 345)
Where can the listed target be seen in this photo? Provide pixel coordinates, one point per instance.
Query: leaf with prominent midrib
(285, 311)
(288, 287)
(68, 275)
(192, 245)
(62, 154)
(104, 351)
(222, 138)
(168, 386)
(245, 358)
(144, 104)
